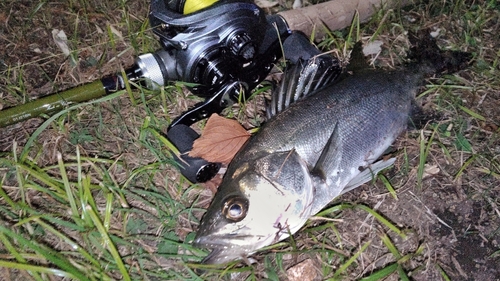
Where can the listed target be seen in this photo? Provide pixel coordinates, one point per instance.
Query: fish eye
(235, 208)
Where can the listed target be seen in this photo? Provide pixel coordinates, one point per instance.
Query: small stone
(303, 271)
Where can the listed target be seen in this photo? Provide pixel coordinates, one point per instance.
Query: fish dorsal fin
(357, 60)
(332, 150)
(368, 174)
(302, 79)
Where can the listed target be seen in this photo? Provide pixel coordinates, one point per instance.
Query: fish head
(259, 203)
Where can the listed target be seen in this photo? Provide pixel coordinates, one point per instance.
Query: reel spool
(188, 6)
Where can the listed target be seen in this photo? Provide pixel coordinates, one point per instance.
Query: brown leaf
(220, 140)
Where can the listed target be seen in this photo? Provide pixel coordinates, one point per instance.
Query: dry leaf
(220, 140)
(373, 48)
(115, 31)
(265, 4)
(61, 41)
(430, 170)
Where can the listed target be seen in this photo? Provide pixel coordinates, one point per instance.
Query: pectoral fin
(330, 157)
(368, 174)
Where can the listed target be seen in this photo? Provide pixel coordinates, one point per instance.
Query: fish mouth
(226, 248)
(216, 256)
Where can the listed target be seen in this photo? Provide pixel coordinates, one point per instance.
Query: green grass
(92, 193)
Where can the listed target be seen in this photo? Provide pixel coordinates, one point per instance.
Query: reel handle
(195, 169)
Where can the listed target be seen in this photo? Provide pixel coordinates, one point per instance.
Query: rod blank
(52, 103)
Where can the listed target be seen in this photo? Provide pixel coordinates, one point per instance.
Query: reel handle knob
(195, 169)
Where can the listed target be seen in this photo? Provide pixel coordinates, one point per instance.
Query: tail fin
(425, 51)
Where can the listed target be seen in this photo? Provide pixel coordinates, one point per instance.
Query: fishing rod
(224, 47)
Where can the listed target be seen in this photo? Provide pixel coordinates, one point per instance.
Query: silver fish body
(304, 157)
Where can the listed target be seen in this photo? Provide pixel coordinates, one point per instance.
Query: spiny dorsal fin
(302, 79)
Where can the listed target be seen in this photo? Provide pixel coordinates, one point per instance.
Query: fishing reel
(223, 48)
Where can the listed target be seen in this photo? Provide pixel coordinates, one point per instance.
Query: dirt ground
(449, 211)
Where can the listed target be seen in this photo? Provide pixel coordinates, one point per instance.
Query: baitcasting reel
(226, 48)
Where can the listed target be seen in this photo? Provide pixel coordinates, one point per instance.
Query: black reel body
(228, 42)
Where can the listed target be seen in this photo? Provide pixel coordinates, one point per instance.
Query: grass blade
(67, 187)
(388, 185)
(36, 269)
(51, 255)
(44, 125)
(443, 273)
(388, 243)
(382, 273)
(107, 241)
(472, 113)
(382, 220)
(424, 152)
(12, 250)
(351, 260)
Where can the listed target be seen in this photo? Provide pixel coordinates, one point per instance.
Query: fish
(317, 145)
